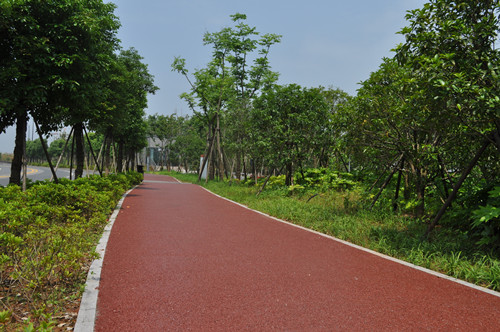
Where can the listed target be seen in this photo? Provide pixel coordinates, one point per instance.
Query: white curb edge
(88, 306)
(416, 267)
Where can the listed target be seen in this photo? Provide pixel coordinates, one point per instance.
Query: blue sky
(325, 42)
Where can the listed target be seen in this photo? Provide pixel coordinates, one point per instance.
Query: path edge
(373, 252)
(85, 320)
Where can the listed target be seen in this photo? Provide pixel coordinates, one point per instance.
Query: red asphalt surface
(182, 259)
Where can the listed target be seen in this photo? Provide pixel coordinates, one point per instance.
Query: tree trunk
(44, 146)
(386, 182)
(132, 161)
(237, 170)
(219, 150)
(265, 182)
(406, 189)
(289, 175)
(119, 161)
(17, 161)
(113, 147)
(92, 152)
(80, 150)
(398, 186)
(245, 170)
(71, 158)
(337, 152)
(206, 158)
(457, 186)
(496, 137)
(420, 189)
(107, 153)
(211, 164)
(376, 181)
(63, 152)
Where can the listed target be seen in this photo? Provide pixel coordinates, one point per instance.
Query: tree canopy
(58, 61)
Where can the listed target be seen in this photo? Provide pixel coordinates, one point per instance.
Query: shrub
(487, 219)
(324, 179)
(47, 241)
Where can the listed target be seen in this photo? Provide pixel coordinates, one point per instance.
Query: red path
(180, 258)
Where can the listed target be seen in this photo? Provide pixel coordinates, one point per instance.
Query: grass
(342, 214)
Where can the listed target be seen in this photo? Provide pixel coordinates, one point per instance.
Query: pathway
(180, 258)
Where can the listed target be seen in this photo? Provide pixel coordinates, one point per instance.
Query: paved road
(35, 173)
(179, 258)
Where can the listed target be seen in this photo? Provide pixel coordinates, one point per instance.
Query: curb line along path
(181, 258)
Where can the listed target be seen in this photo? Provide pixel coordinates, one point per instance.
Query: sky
(330, 43)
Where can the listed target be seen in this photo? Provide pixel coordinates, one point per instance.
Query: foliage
(433, 108)
(421, 137)
(487, 219)
(34, 151)
(452, 64)
(288, 124)
(58, 65)
(222, 93)
(188, 145)
(47, 240)
(325, 179)
(122, 116)
(450, 49)
(55, 53)
(163, 129)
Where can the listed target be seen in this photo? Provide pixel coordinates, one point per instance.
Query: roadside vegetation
(409, 166)
(338, 205)
(5, 157)
(48, 236)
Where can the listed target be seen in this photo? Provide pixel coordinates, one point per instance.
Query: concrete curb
(88, 306)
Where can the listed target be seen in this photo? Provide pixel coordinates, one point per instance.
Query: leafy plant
(47, 240)
(487, 219)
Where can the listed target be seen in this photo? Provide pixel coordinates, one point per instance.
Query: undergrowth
(48, 236)
(340, 207)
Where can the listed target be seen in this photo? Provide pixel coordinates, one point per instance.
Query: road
(182, 259)
(35, 173)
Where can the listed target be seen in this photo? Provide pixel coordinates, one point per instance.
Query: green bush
(47, 240)
(324, 179)
(487, 220)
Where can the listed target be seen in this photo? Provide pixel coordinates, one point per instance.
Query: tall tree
(164, 129)
(287, 122)
(123, 119)
(188, 143)
(389, 120)
(225, 89)
(55, 51)
(450, 51)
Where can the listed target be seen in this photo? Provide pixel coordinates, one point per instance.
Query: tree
(330, 144)
(34, 151)
(123, 118)
(54, 52)
(288, 122)
(225, 89)
(165, 129)
(388, 120)
(451, 54)
(188, 144)
(90, 69)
